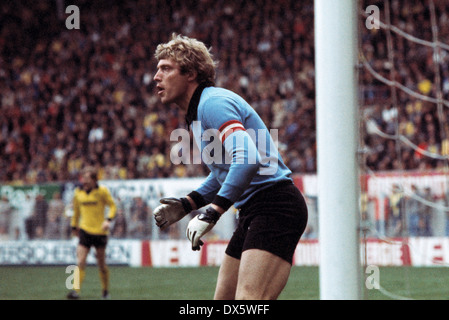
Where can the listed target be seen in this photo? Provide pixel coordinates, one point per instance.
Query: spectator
(413, 209)
(140, 213)
(426, 213)
(396, 212)
(6, 211)
(36, 223)
(54, 227)
(120, 229)
(446, 209)
(25, 212)
(136, 226)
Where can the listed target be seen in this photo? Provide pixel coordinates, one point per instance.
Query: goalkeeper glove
(200, 225)
(170, 211)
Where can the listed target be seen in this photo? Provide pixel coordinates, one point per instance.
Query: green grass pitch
(48, 283)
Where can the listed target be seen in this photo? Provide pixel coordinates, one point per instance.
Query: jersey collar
(88, 191)
(193, 105)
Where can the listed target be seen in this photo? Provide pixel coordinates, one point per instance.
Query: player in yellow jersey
(91, 226)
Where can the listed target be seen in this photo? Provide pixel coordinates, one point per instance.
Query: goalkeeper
(247, 172)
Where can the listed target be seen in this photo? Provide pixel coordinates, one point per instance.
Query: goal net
(404, 113)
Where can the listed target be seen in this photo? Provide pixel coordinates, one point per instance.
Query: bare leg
(103, 268)
(81, 256)
(227, 279)
(262, 275)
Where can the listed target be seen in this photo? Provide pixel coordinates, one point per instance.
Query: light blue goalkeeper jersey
(236, 146)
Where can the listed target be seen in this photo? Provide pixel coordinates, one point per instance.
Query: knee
(103, 268)
(248, 292)
(81, 261)
(225, 289)
(82, 264)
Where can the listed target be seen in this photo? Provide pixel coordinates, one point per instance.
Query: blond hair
(191, 55)
(92, 172)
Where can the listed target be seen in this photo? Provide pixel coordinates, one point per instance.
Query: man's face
(171, 84)
(87, 181)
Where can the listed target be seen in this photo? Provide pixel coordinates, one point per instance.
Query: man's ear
(192, 75)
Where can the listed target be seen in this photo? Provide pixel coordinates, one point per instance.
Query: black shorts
(273, 220)
(88, 240)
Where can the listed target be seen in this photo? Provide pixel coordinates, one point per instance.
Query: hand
(170, 211)
(75, 232)
(200, 225)
(105, 226)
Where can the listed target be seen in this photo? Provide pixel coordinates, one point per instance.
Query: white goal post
(337, 139)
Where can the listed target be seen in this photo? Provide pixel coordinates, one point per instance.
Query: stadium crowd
(76, 97)
(71, 98)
